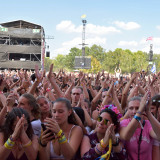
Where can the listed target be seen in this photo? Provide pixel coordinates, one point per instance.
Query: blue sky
(110, 23)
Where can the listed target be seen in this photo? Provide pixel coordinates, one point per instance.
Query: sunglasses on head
(100, 119)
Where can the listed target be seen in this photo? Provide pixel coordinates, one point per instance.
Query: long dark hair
(114, 118)
(7, 128)
(71, 118)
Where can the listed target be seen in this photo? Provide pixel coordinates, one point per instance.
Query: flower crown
(114, 109)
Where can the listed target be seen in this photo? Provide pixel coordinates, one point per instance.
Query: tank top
(54, 155)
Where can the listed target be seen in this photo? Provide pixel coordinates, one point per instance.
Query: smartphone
(44, 128)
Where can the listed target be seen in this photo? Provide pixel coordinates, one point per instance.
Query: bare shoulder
(77, 129)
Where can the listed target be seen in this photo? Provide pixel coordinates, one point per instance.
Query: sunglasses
(100, 119)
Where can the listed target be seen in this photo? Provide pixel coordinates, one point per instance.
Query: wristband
(27, 144)
(102, 144)
(139, 112)
(97, 150)
(117, 142)
(9, 144)
(43, 145)
(62, 140)
(137, 118)
(11, 138)
(48, 89)
(59, 133)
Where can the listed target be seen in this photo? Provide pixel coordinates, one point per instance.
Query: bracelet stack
(9, 144)
(98, 150)
(61, 137)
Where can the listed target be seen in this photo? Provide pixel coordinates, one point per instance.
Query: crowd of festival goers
(55, 116)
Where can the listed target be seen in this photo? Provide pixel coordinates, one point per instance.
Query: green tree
(70, 58)
(95, 66)
(59, 61)
(98, 52)
(47, 63)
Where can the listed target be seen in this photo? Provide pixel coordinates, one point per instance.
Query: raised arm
(53, 82)
(39, 78)
(126, 90)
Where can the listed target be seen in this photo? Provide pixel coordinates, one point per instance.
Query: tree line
(128, 61)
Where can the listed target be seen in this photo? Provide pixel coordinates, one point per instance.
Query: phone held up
(44, 128)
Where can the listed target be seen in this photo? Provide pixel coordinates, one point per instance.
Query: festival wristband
(97, 150)
(43, 145)
(59, 133)
(62, 140)
(139, 112)
(117, 142)
(102, 144)
(48, 89)
(9, 144)
(27, 144)
(137, 118)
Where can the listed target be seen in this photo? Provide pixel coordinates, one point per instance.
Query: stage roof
(21, 24)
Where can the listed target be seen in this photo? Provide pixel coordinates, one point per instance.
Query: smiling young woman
(97, 143)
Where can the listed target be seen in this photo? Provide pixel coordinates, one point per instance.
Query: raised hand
(144, 102)
(38, 75)
(49, 76)
(52, 125)
(17, 129)
(108, 134)
(46, 137)
(12, 99)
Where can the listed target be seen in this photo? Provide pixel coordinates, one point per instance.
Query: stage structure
(83, 62)
(22, 45)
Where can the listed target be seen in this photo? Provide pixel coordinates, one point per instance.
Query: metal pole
(83, 43)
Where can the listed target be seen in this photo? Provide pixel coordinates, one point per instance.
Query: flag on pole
(153, 69)
(149, 39)
(83, 16)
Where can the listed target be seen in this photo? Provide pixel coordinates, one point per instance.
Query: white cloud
(128, 43)
(100, 30)
(127, 26)
(158, 27)
(69, 27)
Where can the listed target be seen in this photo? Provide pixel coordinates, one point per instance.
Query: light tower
(84, 21)
(83, 62)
